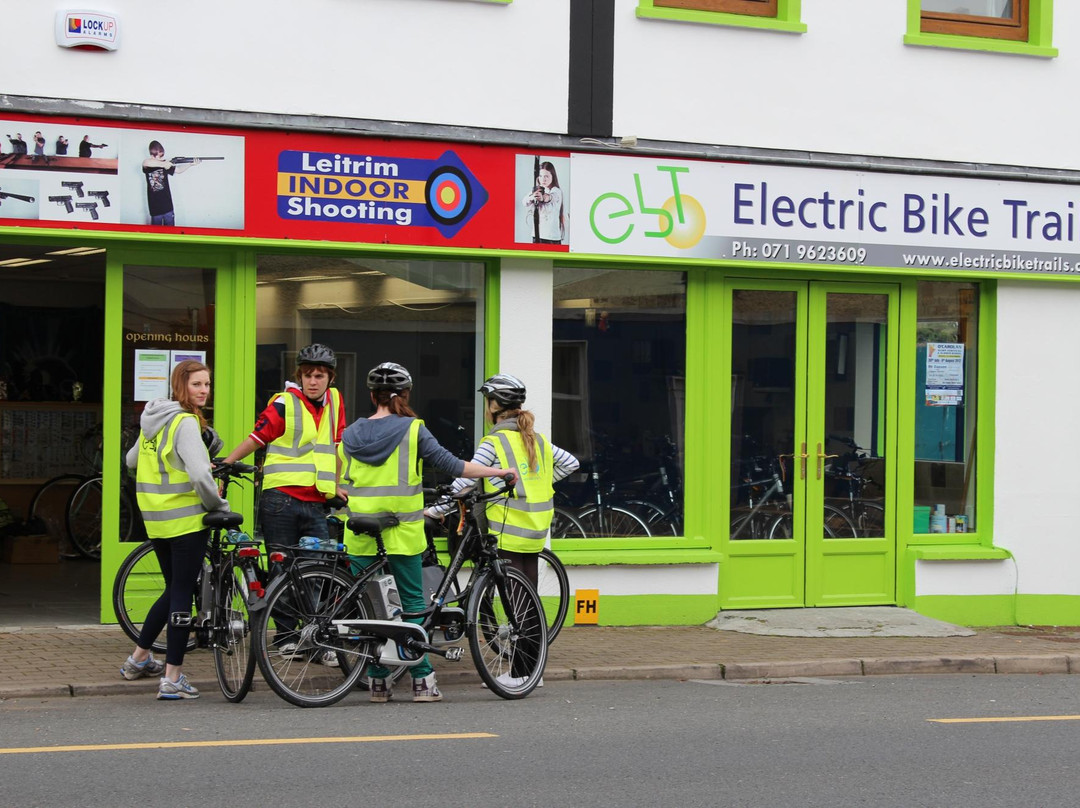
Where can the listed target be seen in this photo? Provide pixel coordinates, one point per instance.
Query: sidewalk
(43, 662)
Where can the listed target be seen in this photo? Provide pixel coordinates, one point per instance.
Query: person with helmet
(300, 429)
(175, 489)
(382, 469)
(522, 523)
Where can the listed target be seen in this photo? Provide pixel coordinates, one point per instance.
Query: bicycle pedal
(455, 654)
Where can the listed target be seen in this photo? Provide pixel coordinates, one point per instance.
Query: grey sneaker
(290, 650)
(180, 689)
(381, 691)
(328, 658)
(137, 670)
(426, 689)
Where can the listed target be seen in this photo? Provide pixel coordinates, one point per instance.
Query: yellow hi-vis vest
(305, 454)
(391, 488)
(170, 507)
(521, 523)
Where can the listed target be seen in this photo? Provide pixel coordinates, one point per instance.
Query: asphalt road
(858, 742)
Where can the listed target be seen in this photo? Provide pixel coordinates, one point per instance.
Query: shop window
(52, 322)
(424, 315)
(619, 366)
(946, 406)
(780, 15)
(1013, 26)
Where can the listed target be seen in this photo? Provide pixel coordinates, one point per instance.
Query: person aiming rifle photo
(156, 171)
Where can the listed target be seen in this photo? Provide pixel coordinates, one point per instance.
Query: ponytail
(525, 421)
(397, 403)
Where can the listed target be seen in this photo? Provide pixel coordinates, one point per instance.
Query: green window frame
(952, 31)
(787, 17)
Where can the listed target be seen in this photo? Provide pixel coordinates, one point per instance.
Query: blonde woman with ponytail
(522, 523)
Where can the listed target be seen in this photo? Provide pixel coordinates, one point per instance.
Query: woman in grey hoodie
(175, 489)
(382, 468)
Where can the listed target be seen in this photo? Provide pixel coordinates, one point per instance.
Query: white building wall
(847, 85)
(525, 328)
(434, 61)
(1036, 476)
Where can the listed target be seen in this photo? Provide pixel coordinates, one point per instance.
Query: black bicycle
(231, 583)
(327, 608)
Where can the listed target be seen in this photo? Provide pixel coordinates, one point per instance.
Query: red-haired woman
(175, 489)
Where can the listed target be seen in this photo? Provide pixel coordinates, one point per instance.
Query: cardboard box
(38, 549)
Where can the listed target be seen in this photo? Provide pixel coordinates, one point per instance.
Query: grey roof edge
(193, 116)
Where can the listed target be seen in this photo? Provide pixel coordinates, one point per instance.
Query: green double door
(810, 515)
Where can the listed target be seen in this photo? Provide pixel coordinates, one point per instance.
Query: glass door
(812, 381)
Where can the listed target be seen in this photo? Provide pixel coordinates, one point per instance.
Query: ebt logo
(681, 218)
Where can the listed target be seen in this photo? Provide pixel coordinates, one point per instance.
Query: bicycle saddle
(372, 525)
(223, 519)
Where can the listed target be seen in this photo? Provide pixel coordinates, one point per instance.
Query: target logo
(448, 195)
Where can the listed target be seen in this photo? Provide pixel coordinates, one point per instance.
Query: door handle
(820, 458)
(802, 462)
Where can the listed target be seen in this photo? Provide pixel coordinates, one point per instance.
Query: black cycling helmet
(389, 376)
(508, 390)
(316, 354)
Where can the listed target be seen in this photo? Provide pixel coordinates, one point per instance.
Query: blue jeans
(284, 520)
(164, 220)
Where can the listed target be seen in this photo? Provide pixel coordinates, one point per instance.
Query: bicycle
(851, 485)
(552, 581)
(230, 583)
(357, 617)
(770, 516)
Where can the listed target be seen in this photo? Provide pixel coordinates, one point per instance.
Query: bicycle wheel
(137, 586)
(305, 599)
(871, 520)
(553, 587)
(233, 660)
(564, 525)
(837, 524)
(756, 524)
(655, 517)
(611, 521)
(48, 509)
(507, 633)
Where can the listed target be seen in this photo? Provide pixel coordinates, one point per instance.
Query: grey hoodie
(372, 440)
(189, 453)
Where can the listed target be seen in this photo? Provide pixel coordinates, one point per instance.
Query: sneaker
(180, 689)
(328, 658)
(137, 670)
(289, 651)
(381, 691)
(426, 689)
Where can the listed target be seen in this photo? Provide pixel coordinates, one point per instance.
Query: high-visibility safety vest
(522, 523)
(167, 499)
(394, 487)
(305, 454)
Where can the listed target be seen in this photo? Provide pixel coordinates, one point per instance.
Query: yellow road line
(1005, 719)
(107, 747)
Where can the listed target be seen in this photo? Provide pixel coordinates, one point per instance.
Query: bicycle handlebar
(222, 469)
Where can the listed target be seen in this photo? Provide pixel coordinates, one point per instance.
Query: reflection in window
(618, 400)
(421, 314)
(945, 407)
(995, 19)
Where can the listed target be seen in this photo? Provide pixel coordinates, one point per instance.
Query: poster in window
(944, 374)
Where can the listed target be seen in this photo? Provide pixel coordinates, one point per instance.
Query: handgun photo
(63, 200)
(90, 206)
(101, 195)
(74, 186)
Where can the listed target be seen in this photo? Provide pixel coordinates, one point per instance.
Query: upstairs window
(754, 8)
(991, 19)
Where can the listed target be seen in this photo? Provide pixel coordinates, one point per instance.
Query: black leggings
(525, 563)
(181, 559)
